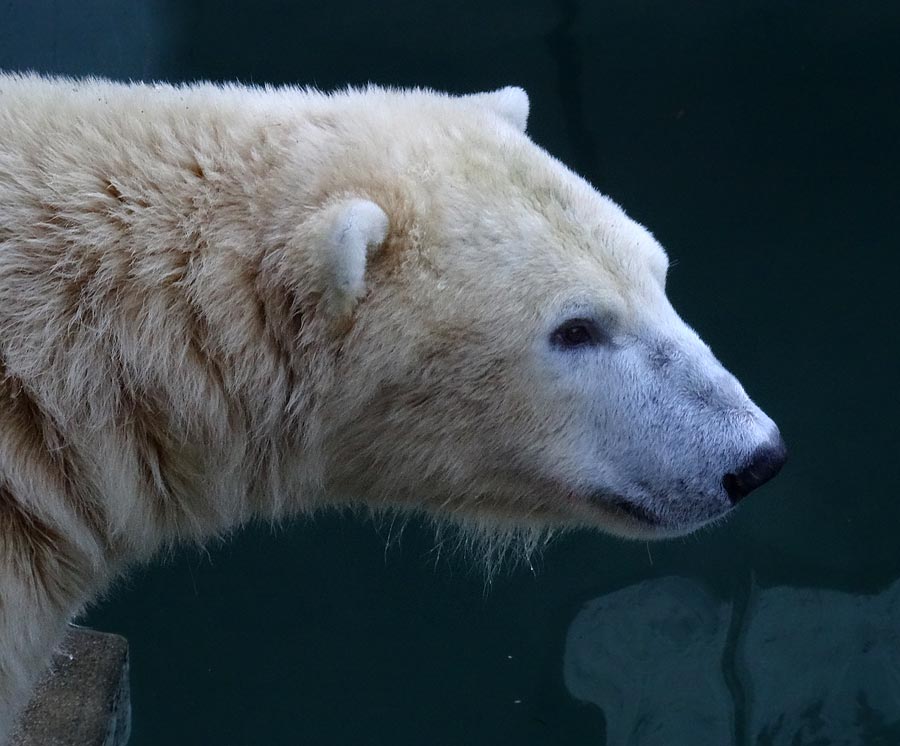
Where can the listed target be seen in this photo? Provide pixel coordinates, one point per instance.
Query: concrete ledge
(84, 699)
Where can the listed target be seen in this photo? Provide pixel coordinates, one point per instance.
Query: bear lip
(632, 511)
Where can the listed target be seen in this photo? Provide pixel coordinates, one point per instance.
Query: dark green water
(759, 141)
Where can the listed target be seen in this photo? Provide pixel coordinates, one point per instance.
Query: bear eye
(576, 333)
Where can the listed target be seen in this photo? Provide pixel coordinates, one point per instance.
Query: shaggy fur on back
(161, 360)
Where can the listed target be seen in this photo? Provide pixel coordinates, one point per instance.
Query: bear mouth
(636, 512)
(629, 510)
(649, 523)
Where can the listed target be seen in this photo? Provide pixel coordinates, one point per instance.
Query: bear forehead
(520, 214)
(492, 183)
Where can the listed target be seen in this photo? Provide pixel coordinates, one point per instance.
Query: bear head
(508, 355)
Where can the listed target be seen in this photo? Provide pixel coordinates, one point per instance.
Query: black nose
(764, 464)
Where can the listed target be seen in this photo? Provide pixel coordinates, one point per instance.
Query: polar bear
(220, 302)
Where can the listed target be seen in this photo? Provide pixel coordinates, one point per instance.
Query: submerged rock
(669, 663)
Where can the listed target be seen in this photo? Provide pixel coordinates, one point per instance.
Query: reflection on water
(669, 663)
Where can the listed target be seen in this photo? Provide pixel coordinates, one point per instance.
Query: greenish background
(759, 141)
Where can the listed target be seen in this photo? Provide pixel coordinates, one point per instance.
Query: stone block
(83, 700)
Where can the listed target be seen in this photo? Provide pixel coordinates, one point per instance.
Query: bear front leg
(44, 582)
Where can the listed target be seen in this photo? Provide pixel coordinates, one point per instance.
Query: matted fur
(220, 303)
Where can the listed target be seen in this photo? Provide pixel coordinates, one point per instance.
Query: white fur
(220, 302)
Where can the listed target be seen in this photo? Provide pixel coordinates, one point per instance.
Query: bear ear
(353, 228)
(511, 103)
